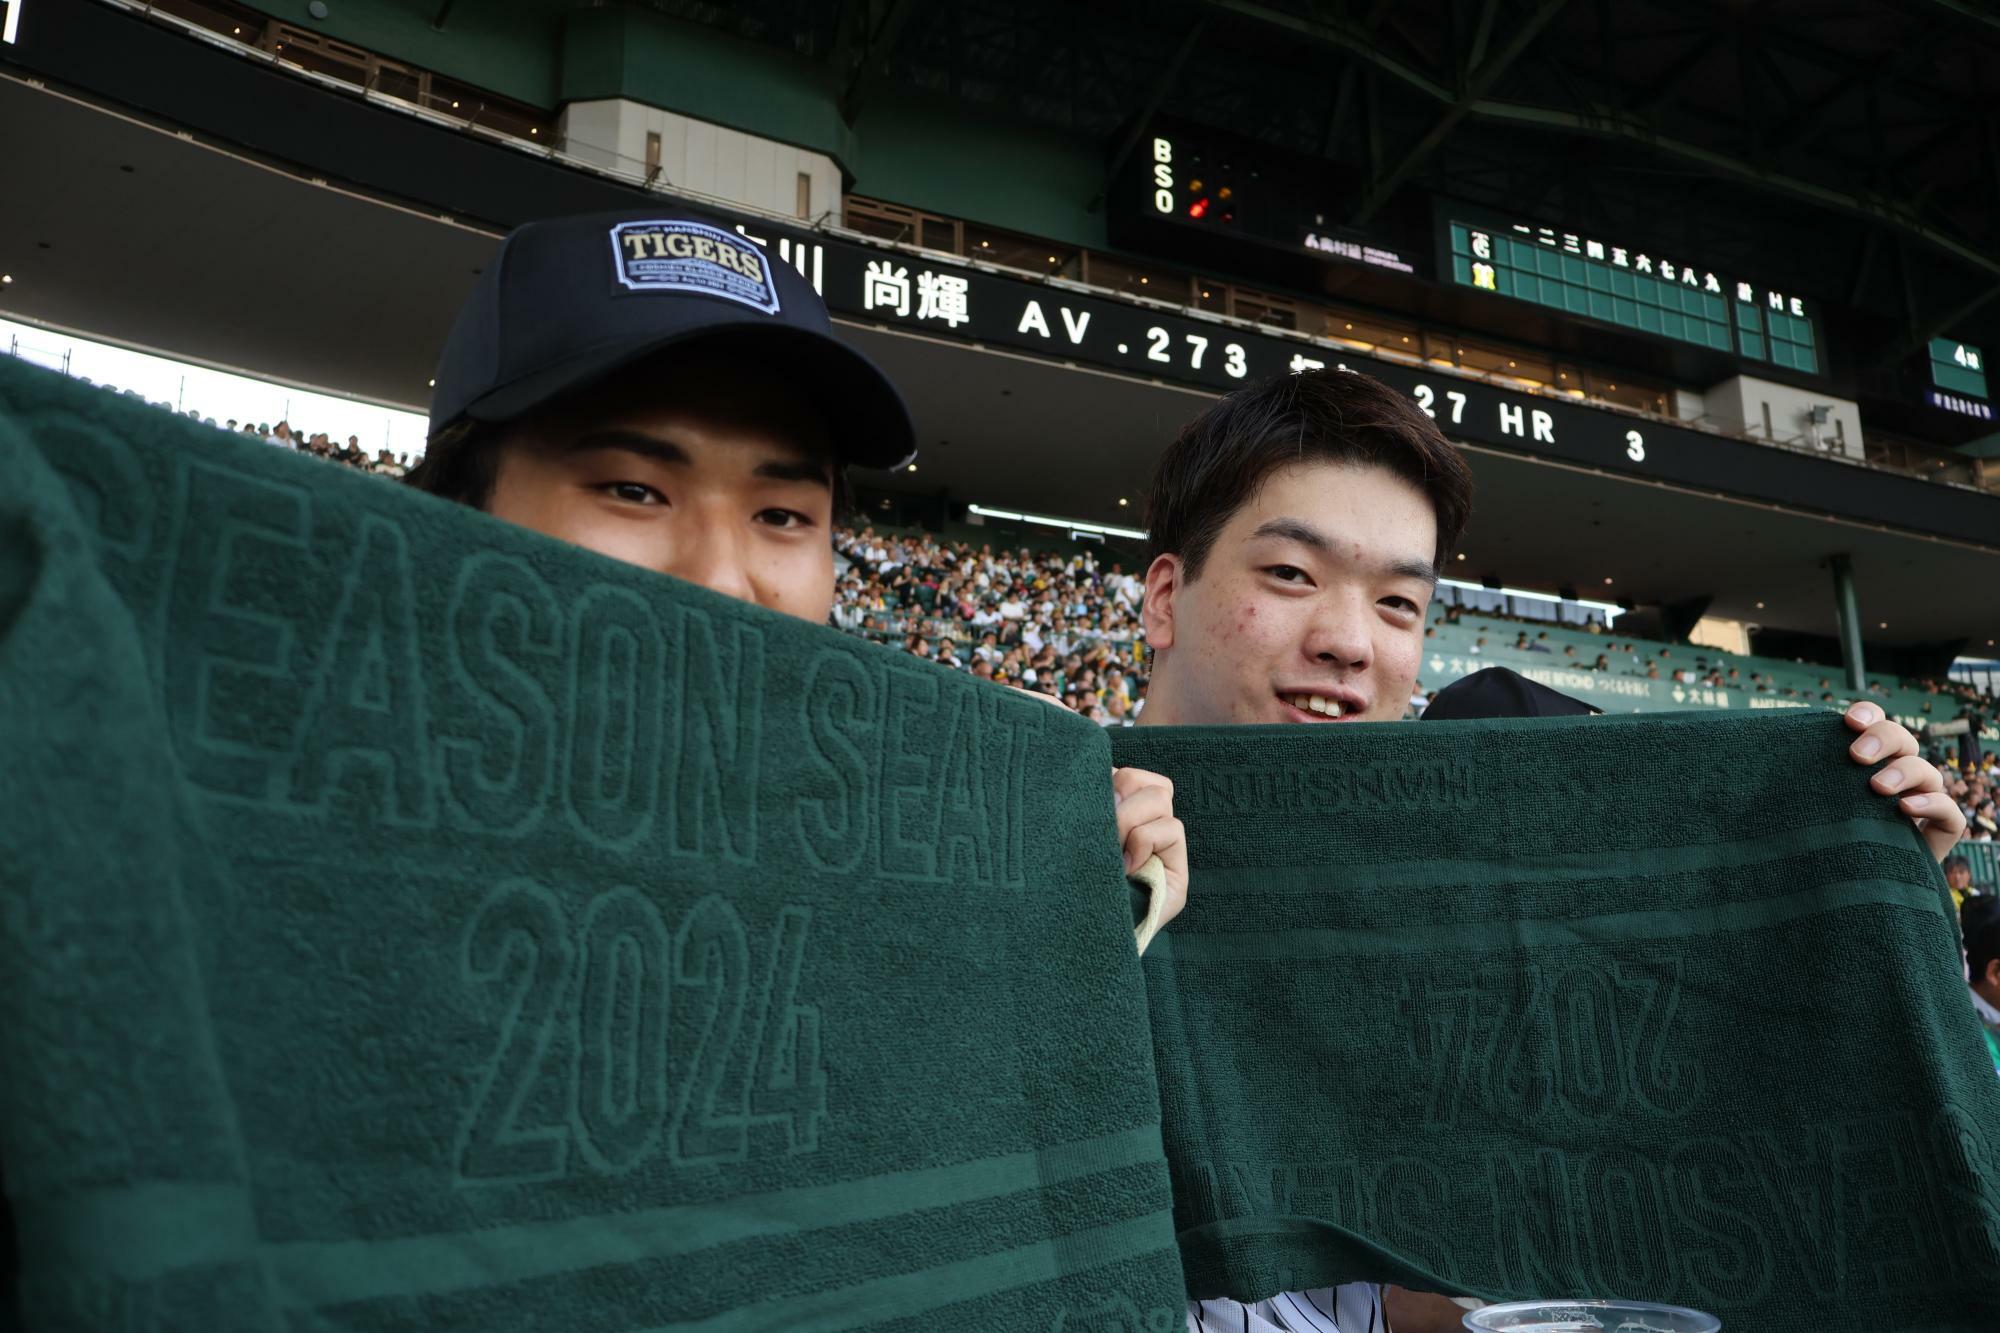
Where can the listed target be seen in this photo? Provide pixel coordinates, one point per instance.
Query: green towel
(1667, 1008)
(407, 921)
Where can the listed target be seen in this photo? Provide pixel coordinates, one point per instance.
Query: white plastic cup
(1590, 1316)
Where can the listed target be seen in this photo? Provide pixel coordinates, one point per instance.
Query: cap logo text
(679, 256)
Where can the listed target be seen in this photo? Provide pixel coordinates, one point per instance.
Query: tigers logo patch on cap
(678, 256)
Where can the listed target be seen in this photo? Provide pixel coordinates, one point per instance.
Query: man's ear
(1163, 582)
(1992, 977)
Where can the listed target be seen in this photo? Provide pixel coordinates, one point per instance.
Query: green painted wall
(911, 149)
(699, 72)
(930, 153)
(508, 47)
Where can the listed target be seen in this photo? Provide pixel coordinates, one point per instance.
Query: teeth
(1315, 703)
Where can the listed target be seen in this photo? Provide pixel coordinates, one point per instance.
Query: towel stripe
(881, 1300)
(140, 1233)
(1324, 945)
(322, 1273)
(1607, 863)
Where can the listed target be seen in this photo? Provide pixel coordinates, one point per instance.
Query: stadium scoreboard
(1201, 183)
(1649, 292)
(1958, 379)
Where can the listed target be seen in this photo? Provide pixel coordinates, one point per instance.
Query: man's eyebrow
(671, 454)
(631, 441)
(796, 469)
(1305, 534)
(1296, 530)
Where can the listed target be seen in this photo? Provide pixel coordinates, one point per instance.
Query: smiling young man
(1296, 531)
(653, 387)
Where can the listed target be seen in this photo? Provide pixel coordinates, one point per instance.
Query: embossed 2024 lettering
(594, 1009)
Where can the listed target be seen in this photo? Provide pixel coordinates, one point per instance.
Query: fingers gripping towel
(1666, 1008)
(411, 922)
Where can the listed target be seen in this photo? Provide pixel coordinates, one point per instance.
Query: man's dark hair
(1221, 457)
(1982, 948)
(1955, 862)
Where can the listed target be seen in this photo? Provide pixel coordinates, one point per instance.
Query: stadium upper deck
(1021, 224)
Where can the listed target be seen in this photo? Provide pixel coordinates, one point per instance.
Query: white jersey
(1353, 1308)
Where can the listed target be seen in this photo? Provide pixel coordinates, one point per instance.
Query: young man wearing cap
(658, 390)
(1296, 530)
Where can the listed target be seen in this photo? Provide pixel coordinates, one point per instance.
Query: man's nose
(1339, 635)
(709, 552)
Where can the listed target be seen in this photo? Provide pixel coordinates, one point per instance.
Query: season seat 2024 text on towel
(1667, 1008)
(409, 921)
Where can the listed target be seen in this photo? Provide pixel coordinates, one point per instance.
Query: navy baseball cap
(1498, 692)
(572, 301)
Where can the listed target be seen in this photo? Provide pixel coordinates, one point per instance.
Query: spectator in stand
(1958, 878)
(1982, 967)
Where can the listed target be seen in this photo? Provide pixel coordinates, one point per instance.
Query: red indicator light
(1198, 208)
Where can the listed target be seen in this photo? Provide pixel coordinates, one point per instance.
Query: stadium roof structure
(1847, 148)
(168, 226)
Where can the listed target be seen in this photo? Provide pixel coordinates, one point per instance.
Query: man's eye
(633, 492)
(1287, 573)
(783, 518)
(1400, 603)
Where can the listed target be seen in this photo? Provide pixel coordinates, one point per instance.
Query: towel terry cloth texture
(1667, 1008)
(407, 921)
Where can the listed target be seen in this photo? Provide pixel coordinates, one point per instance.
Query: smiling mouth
(1317, 708)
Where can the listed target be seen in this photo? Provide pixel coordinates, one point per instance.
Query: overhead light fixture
(6, 280)
(911, 468)
(1350, 328)
(1461, 555)
(1067, 524)
(1607, 579)
(454, 106)
(1122, 502)
(1883, 625)
(1760, 606)
(1143, 281)
(434, 384)
(1052, 259)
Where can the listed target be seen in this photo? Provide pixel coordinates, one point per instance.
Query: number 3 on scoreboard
(1635, 446)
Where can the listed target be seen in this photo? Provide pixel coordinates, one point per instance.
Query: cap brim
(867, 421)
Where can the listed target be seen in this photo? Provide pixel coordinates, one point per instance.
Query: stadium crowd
(318, 445)
(1060, 625)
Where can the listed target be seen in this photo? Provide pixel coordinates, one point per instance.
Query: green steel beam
(1348, 37)
(1168, 76)
(1476, 87)
(1607, 123)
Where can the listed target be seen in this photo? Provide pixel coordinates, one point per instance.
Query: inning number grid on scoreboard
(1655, 297)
